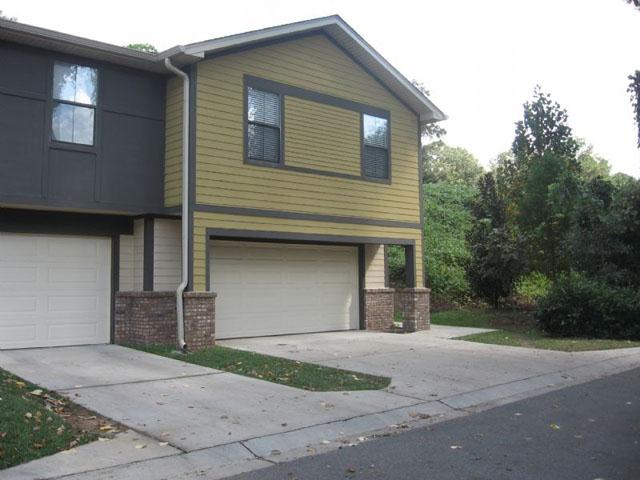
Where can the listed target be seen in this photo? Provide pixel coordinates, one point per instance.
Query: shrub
(533, 286)
(581, 306)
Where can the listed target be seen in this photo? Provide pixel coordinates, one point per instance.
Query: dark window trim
(285, 90)
(55, 101)
(250, 83)
(386, 179)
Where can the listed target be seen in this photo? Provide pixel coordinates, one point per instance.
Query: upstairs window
(75, 94)
(375, 147)
(263, 126)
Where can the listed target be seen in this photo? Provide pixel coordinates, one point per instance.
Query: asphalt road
(585, 432)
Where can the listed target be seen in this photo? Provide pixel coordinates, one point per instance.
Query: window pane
(376, 162)
(72, 124)
(86, 85)
(62, 122)
(83, 125)
(75, 83)
(64, 82)
(263, 107)
(375, 131)
(264, 143)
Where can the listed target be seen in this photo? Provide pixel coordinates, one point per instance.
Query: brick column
(148, 318)
(378, 308)
(413, 304)
(199, 319)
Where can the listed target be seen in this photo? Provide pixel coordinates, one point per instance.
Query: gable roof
(333, 26)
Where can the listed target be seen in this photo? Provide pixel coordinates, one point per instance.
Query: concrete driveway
(187, 420)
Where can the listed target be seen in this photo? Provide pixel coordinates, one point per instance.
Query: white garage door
(272, 289)
(54, 290)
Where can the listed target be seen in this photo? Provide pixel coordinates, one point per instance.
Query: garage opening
(279, 288)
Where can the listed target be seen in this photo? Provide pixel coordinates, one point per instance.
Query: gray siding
(123, 171)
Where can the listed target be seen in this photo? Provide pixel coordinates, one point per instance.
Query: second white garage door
(273, 289)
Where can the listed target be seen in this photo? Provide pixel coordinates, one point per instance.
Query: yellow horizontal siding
(173, 144)
(316, 136)
(204, 220)
(321, 136)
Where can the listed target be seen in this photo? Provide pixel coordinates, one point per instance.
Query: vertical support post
(410, 264)
(147, 262)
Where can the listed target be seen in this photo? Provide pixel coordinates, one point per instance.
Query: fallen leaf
(455, 447)
(104, 428)
(38, 445)
(28, 415)
(555, 426)
(325, 442)
(70, 450)
(36, 392)
(141, 445)
(163, 444)
(20, 384)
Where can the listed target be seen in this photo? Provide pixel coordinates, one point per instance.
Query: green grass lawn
(307, 376)
(519, 335)
(462, 318)
(32, 423)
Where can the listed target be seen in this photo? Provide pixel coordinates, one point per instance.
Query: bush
(581, 306)
(533, 286)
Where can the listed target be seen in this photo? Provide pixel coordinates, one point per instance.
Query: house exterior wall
(321, 202)
(173, 144)
(138, 255)
(375, 274)
(167, 250)
(121, 172)
(127, 261)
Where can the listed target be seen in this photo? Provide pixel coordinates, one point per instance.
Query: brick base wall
(146, 318)
(378, 308)
(382, 304)
(413, 304)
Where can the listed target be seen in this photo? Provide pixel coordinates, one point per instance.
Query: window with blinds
(375, 154)
(263, 125)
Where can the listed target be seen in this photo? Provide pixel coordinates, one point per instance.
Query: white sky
(480, 59)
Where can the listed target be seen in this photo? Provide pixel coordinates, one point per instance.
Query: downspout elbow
(185, 203)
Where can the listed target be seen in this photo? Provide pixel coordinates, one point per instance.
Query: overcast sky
(480, 60)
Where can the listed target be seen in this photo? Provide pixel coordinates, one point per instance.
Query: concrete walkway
(189, 421)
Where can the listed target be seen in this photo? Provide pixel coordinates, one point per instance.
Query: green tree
(592, 165)
(448, 220)
(634, 91)
(496, 262)
(542, 181)
(143, 47)
(443, 163)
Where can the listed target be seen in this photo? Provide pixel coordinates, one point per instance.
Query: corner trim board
(254, 212)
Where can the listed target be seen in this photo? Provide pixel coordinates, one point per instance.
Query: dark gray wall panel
(136, 94)
(123, 171)
(131, 160)
(23, 70)
(72, 176)
(21, 138)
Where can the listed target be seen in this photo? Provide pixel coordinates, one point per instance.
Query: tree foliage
(540, 181)
(455, 165)
(143, 47)
(495, 262)
(448, 219)
(634, 91)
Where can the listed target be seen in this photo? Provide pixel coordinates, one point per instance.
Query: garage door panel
(51, 296)
(272, 289)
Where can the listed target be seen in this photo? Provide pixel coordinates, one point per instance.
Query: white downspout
(185, 201)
